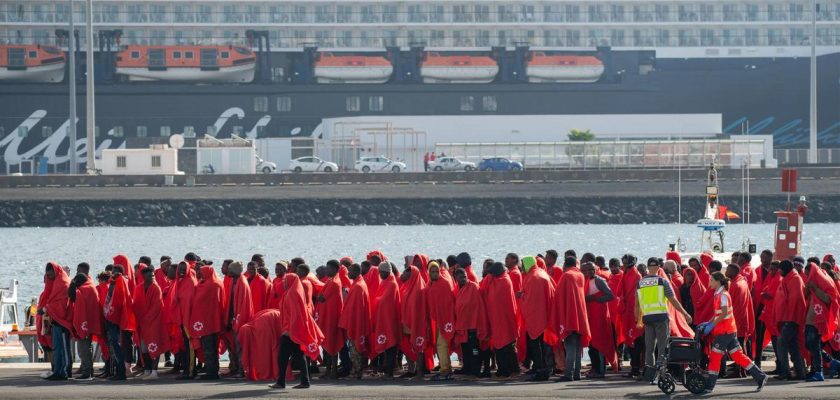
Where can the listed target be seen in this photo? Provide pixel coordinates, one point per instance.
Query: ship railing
(794, 157)
(621, 154)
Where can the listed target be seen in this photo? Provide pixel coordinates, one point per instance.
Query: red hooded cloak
(260, 341)
(148, 309)
(128, 269)
(118, 310)
(789, 305)
(568, 313)
(260, 290)
(206, 311)
(87, 313)
(356, 317)
(742, 306)
(537, 299)
(296, 321)
(441, 303)
(501, 306)
(470, 314)
(386, 316)
(327, 314)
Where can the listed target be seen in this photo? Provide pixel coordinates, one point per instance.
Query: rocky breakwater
(433, 211)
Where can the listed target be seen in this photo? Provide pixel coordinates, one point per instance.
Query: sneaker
(56, 378)
(153, 375)
(84, 378)
(302, 386)
(277, 386)
(816, 377)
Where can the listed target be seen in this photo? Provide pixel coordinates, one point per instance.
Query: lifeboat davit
(563, 68)
(212, 63)
(31, 63)
(331, 68)
(438, 68)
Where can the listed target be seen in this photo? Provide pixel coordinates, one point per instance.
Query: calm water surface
(25, 251)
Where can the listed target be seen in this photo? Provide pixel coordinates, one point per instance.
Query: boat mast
(813, 157)
(71, 128)
(91, 112)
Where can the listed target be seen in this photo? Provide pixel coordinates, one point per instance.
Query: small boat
(11, 347)
(205, 63)
(563, 68)
(332, 68)
(712, 227)
(437, 68)
(31, 63)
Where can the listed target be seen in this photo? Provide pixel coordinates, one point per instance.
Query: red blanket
(825, 313)
(243, 306)
(260, 291)
(627, 307)
(789, 304)
(568, 315)
(537, 299)
(441, 304)
(148, 309)
(57, 301)
(327, 314)
(501, 311)
(414, 315)
(356, 317)
(206, 312)
(260, 341)
(118, 309)
(470, 314)
(297, 322)
(742, 306)
(87, 313)
(128, 270)
(598, 316)
(386, 316)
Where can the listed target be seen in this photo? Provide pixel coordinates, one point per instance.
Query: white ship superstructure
(675, 28)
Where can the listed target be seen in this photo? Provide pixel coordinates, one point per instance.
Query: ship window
(176, 54)
(284, 104)
(189, 131)
(142, 131)
(46, 131)
(121, 162)
(22, 131)
(260, 130)
(238, 130)
(97, 131)
(211, 130)
(118, 131)
(165, 131)
(261, 103)
(33, 54)
(467, 103)
(188, 54)
(155, 161)
(353, 103)
(225, 54)
(488, 103)
(135, 54)
(375, 103)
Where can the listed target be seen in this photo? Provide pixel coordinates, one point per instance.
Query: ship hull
(756, 96)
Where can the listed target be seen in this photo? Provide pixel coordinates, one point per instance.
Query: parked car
(312, 164)
(451, 164)
(379, 164)
(265, 167)
(499, 164)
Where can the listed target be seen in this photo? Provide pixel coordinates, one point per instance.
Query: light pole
(813, 156)
(71, 128)
(91, 112)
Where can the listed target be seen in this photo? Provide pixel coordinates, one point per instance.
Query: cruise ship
(266, 69)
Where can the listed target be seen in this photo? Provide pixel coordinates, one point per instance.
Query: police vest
(651, 296)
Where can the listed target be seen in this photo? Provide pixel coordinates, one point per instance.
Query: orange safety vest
(727, 325)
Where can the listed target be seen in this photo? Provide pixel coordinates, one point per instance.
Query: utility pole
(71, 127)
(91, 112)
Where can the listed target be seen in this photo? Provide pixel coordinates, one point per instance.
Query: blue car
(499, 164)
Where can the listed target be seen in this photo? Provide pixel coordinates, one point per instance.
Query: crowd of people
(526, 318)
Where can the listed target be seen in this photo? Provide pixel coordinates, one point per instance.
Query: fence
(619, 154)
(800, 156)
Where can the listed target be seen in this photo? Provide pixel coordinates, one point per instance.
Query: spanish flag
(725, 213)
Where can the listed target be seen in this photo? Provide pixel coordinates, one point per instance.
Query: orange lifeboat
(225, 64)
(438, 68)
(331, 68)
(563, 68)
(31, 63)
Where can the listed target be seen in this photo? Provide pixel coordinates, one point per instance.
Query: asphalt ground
(22, 381)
